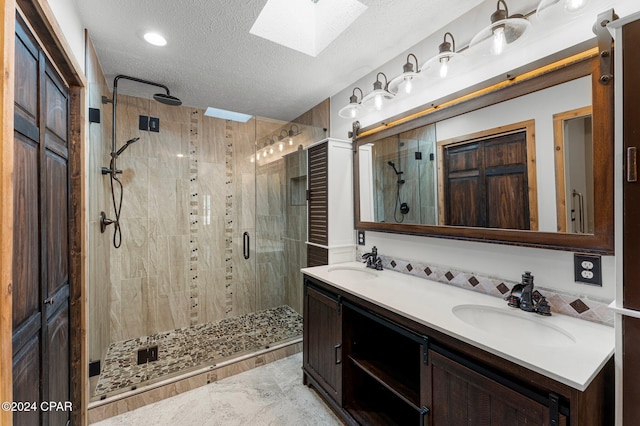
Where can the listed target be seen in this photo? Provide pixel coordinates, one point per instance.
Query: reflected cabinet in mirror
(526, 162)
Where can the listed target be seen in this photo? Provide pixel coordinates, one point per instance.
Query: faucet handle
(543, 307)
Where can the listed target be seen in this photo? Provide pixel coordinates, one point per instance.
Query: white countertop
(574, 362)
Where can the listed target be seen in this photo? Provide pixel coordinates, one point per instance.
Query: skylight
(227, 115)
(307, 26)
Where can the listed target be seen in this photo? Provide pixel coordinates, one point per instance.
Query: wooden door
(323, 341)
(41, 228)
(487, 184)
(460, 396)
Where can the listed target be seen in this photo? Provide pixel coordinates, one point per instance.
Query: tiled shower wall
(189, 195)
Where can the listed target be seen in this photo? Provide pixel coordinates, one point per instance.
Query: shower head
(126, 145)
(167, 99)
(392, 164)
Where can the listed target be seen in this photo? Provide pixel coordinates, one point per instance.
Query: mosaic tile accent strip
(193, 216)
(196, 346)
(228, 217)
(579, 307)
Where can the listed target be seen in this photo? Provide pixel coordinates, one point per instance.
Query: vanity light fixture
(447, 51)
(155, 39)
(503, 31)
(352, 110)
(376, 99)
(293, 133)
(404, 82)
(548, 8)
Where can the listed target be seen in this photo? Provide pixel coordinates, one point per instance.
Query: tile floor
(269, 395)
(190, 347)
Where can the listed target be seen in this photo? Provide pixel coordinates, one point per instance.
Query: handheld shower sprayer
(404, 207)
(125, 146)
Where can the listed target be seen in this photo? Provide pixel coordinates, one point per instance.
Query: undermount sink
(351, 273)
(512, 325)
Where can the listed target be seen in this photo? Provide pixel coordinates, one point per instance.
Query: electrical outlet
(587, 269)
(360, 238)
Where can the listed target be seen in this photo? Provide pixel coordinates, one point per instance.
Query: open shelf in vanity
(383, 361)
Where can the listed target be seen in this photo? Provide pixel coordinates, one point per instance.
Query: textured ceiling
(211, 59)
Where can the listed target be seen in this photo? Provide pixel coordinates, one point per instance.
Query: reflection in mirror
(574, 170)
(488, 179)
(492, 167)
(397, 178)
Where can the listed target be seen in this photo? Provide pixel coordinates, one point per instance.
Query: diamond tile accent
(561, 303)
(579, 306)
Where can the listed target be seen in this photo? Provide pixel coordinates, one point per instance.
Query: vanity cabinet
(460, 395)
(322, 342)
(377, 367)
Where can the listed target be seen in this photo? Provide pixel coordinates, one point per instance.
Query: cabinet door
(323, 341)
(460, 396)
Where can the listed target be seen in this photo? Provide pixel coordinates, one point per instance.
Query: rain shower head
(126, 145)
(167, 99)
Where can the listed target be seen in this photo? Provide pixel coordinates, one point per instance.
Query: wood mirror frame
(588, 62)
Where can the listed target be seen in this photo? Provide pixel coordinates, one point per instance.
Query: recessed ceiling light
(227, 115)
(155, 39)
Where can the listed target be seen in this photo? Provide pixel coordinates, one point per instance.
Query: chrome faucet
(372, 259)
(522, 296)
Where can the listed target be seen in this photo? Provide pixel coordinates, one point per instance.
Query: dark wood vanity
(376, 367)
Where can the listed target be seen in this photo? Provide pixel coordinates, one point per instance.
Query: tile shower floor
(196, 346)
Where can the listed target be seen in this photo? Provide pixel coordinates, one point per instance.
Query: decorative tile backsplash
(562, 303)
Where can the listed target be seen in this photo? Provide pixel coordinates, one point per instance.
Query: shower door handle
(245, 245)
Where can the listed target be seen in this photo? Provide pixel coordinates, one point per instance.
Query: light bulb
(257, 156)
(378, 102)
(281, 146)
(408, 85)
(444, 66)
(264, 153)
(353, 114)
(499, 41)
(290, 141)
(252, 159)
(572, 6)
(270, 150)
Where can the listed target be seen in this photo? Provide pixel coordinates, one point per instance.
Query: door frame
(42, 22)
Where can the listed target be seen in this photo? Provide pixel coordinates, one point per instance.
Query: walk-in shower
(183, 293)
(112, 170)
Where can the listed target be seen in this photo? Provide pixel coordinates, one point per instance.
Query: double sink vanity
(384, 347)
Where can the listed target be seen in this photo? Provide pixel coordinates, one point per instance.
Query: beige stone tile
(132, 318)
(173, 310)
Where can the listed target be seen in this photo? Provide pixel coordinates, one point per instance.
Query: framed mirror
(528, 161)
